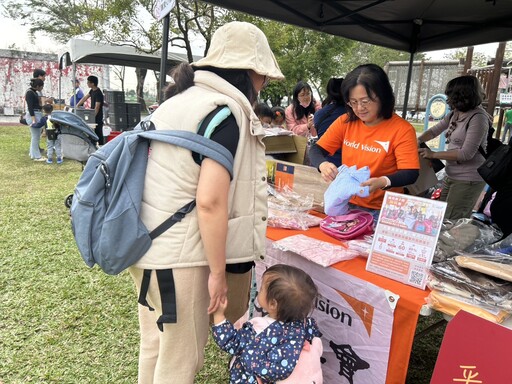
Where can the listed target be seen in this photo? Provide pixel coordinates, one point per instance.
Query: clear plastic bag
(499, 266)
(464, 235)
(287, 209)
(449, 277)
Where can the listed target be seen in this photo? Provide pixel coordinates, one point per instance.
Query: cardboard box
(301, 178)
(279, 144)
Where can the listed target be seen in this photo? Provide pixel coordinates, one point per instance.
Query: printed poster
(354, 316)
(405, 238)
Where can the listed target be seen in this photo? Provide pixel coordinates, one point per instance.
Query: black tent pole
(408, 85)
(163, 60)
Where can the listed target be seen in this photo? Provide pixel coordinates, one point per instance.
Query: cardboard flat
(427, 178)
(279, 144)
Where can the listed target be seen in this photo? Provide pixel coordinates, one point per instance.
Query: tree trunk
(141, 77)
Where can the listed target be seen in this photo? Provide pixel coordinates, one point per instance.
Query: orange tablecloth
(406, 312)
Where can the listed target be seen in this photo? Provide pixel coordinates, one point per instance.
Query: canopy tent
(92, 52)
(406, 25)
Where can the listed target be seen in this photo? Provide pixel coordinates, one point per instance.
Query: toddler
(264, 113)
(266, 349)
(53, 143)
(278, 117)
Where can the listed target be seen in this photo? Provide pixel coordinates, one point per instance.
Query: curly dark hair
(464, 93)
(292, 289)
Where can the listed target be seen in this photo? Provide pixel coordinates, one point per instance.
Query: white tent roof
(92, 52)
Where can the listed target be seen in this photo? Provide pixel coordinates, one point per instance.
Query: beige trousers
(175, 355)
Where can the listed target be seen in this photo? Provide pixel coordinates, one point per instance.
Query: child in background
(278, 117)
(53, 143)
(266, 349)
(264, 113)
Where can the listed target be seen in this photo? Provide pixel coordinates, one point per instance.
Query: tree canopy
(302, 54)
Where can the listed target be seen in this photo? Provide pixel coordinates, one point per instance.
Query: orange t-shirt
(385, 148)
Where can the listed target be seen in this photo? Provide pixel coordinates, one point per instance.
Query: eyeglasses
(362, 103)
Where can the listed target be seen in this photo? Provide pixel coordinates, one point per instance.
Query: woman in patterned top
(267, 349)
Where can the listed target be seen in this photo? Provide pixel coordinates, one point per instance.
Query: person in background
(332, 107)
(77, 95)
(53, 143)
(267, 349)
(508, 124)
(32, 116)
(97, 101)
(299, 114)
(370, 134)
(466, 132)
(41, 74)
(210, 253)
(278, 118)
(264, 113)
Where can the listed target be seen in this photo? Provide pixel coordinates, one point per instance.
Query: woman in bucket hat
(214, 246)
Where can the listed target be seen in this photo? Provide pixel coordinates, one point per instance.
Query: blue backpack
(106, 202)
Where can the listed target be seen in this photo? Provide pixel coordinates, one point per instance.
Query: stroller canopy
(74, 123)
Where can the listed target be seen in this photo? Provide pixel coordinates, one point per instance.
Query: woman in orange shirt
(372, 135)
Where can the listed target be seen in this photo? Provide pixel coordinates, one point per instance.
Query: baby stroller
(77, 138)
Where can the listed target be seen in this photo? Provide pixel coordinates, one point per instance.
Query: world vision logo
(367, 147)
(384, 144)
(362, 309)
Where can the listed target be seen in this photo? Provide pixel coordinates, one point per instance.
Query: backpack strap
(167, 289)
(195, 143)
(165, 279)
(480, 149)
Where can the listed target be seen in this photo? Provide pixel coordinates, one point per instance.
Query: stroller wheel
(68, 201)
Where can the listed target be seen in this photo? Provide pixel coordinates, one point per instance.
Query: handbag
(437, 165)
(497, 168)
(23, 120)
(354, 224)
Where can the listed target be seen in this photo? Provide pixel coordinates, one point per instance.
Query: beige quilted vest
(172, 176)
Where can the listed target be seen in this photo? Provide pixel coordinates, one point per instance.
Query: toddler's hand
(218, 315)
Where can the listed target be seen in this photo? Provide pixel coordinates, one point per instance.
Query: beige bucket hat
(241, 45)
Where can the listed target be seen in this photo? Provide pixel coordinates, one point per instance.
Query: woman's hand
(311, 124)
(218, 290)
(426, 153)
(374, 183)
(329, 171)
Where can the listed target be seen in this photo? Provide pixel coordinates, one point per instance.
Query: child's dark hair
(263, 110)
(293, 290)
(34, 83)
(47, 108)
(277, 112)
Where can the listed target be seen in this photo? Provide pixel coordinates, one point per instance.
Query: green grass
(61, 322)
